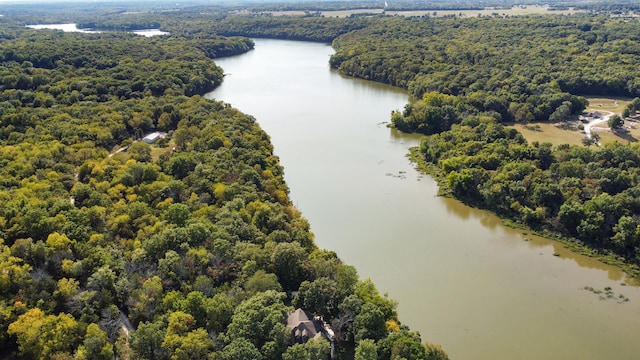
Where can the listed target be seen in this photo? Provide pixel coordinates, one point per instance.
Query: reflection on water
(614, 273)
(493, 222)
(457, 208)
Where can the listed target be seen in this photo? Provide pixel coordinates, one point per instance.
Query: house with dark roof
(304, 327)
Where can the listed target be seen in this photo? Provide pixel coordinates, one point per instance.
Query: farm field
(514, 11)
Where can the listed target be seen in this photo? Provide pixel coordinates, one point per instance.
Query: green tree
(42, 336)
(319, 297)
(289, 264)
(240, 349)
(96, 345)
(219, 312)
(140, 151)
(366, 350)
(570, 215)
(624, 232)
(146, 341)
(370, 323)
(182, 164)
(346, 279)
(367, 292)
(177, 214)
(591, 228)
(615, 122)
(561, 113)
(314, 349)
(261, 319)
(262, 281)
(402, 345)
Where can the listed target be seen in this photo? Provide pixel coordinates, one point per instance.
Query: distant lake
(74, 28)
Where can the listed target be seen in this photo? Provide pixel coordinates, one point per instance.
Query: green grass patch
(551, 133)
(615, 105)
(558, 134)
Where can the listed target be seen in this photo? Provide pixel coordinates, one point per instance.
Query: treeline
(517, 67)
(327, 5)
(54, 52)
(611, 7)
(199, 248)
(436, 112)
(591, 195)
(128, 69)
(289, 28)
(119, 27)
(195, 26)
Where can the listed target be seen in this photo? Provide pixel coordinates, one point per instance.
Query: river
(462, 279)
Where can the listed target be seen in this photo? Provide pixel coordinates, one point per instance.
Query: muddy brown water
(462, 279)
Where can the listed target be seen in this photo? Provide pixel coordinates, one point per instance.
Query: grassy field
(336, 13)
(544, 132)
(156, 151)
(613, 105)
(515, 11)
(557, 134)
(633, 134)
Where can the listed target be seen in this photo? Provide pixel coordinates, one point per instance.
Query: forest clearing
(570, 133)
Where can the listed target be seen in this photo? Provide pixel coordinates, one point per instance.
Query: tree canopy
(185, 249)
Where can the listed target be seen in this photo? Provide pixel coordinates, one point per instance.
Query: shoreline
(573, 245)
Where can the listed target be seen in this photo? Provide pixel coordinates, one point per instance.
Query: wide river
(462, 279)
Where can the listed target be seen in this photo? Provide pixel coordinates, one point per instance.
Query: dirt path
(119, 150)
(595, 122)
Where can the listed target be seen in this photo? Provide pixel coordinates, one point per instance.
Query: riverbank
(461, 278)
(572, 244)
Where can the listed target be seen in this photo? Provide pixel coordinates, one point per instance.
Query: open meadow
(489, 11)
(571, 133)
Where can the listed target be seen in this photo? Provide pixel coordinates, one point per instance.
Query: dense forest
(185, 249)
(523, 69)
(195, 26)
(194, 241)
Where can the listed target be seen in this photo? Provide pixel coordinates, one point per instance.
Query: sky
(178, 2)
(183, 2)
